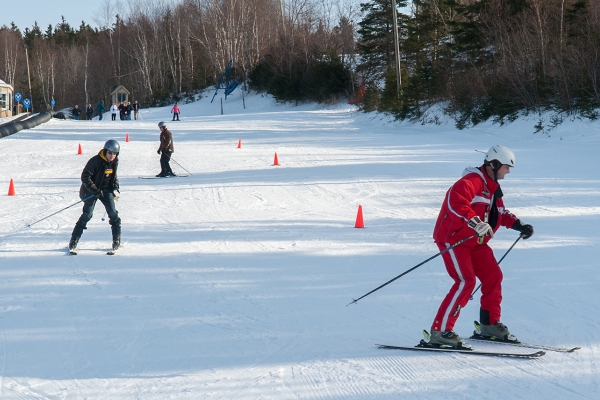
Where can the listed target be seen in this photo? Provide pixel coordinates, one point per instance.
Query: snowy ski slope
(233, 282)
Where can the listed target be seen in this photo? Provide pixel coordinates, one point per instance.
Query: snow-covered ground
(233, 282)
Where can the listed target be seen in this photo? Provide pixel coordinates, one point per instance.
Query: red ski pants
(464, 263)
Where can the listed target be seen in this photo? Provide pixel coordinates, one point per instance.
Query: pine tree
(376, 46)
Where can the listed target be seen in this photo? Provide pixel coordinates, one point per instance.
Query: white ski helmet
(500, 153)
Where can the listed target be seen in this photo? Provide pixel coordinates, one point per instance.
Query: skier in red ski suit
(474, 205)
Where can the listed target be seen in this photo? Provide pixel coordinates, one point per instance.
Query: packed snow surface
(233, 282)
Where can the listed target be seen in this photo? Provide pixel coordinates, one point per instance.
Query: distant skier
(99, 178)
(474, 205)
(165, 149)
(175, 111)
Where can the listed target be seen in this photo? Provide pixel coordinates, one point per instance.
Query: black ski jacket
(99, 174)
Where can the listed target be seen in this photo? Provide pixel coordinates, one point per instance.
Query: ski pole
(74, 204)
(507, 251)
(168, 155)
(413, 268)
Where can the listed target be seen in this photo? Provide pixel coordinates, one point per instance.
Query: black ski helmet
(112, 146)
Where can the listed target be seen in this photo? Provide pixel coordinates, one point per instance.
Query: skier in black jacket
(99, 179)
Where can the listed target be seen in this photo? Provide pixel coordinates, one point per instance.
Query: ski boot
(73, 244)
(116, 244)
(447, 339)
(497, 331)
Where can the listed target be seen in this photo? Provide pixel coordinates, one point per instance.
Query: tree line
(168, 51)
(473, 59)
(482, 59)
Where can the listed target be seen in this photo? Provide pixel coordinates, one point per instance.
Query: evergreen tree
(376, 46)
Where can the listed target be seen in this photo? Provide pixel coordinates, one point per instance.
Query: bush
(301, 80)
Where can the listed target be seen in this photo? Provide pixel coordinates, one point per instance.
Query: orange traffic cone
(127, 137)
(79, 151)
(276, 160)
(359, 219)
(240, 144)
(11, 188)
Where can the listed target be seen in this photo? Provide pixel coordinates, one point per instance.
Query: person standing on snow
(136, 110)
(472, 205)
(89, 112)
(76, 111)
(101, 110)
(113, 112)
(165, 149)
(175, 111)
(99, 178)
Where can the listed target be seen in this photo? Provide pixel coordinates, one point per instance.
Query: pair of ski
(110, 252)
(159, 177)
(424, 345)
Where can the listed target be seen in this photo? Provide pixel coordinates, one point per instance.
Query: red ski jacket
(474, 194)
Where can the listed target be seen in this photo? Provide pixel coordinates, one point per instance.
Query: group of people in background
(125, 110)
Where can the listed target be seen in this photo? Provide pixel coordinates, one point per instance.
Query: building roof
(4, 84)
(120, 88)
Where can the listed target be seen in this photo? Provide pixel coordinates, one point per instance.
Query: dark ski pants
(108, 199)
(175, 116)
(165, 168)
(464, 264)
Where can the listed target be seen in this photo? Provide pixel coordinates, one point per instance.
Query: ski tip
(352, 302)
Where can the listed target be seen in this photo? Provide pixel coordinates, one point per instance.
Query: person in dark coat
(122, 108)
(101, 110)
(165, 149)
(136, 110)
(76, 112)
(89, 112)
(99, 182)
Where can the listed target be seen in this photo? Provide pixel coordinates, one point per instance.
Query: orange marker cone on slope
(79, 151)
(276, 160)
(127, 137)
(359, 219)
(11, 188)
(240, 144)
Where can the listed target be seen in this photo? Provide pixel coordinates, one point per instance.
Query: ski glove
(158, 151)
(482, 228)
(98, 193)
(526, 230)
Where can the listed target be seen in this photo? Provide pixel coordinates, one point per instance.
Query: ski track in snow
(233, 281)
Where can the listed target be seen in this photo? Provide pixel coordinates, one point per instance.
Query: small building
(120, 95)
(6, 99)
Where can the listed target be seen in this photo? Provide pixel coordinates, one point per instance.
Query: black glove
(158, 151)
(98, 193)
(526, 230)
